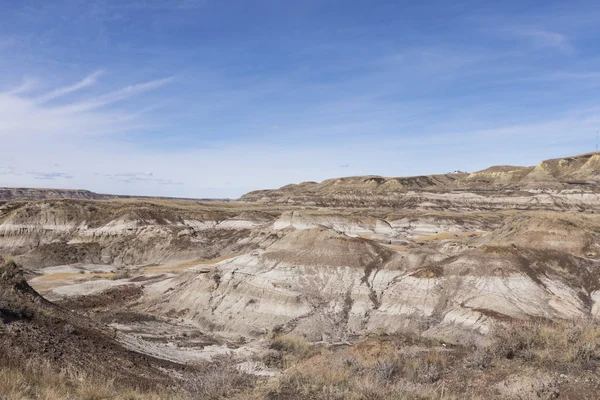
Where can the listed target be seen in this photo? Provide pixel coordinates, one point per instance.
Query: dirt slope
(33, 329)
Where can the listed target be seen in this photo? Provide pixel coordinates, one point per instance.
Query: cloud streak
(116, 96)
(133, 177)
(27, 85)
(50, 175)
(22, 118)
(82, 84)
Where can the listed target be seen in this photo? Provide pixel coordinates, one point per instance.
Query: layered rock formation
(560, 184)
(451, 253)
(47, 233)
(330, 286)
(7, 194)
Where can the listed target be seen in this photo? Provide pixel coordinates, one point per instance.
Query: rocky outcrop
(346, 256)
(569, 183)
(7, 194)
(328, 274)
(47, 233)
(328, 286)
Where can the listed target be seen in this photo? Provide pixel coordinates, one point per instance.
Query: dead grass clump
(10, 271)
(41, 381)
(342, 384)
(219, 379)
(122, 274)
(426, 367)
(291, 344)
(376, 368)
(575, 343)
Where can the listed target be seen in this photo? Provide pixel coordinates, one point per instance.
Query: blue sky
(206, 98)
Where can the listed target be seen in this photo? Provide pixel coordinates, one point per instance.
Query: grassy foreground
(42, 382)
(521, 360)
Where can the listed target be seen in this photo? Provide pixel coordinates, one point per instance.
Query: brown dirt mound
(326, 247)
(111, 297)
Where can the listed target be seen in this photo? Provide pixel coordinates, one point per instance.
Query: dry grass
(376, 368)
(291, 344)
(9, 269)
(522, 360)
(219, 379)
(40, 381)
(574, 344)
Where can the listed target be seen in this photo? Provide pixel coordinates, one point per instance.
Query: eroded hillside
(569, 183)
(449, 259)
(328, 274)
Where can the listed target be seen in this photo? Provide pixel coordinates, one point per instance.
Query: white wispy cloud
(50, 175)
(27, 85)
(23, 118)
(132, 177)
(85, 82)
(117, 95)
(545, 38)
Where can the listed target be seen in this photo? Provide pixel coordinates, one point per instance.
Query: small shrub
(277, 329)
(386, 369)
(10, 271)
(122, 274)
(293, 344)
(575, 342)
(219, 379)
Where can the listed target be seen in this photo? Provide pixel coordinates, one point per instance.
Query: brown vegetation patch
(493, 314)
(428, 272)
(43, 381)
(525, 360)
